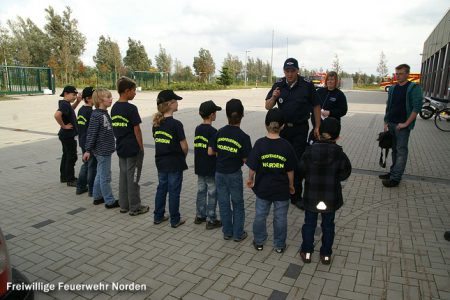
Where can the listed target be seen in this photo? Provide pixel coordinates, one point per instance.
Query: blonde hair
(99, 95)
(158, 117)
(273, 127)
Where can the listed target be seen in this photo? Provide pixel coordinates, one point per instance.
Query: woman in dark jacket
(332, 99)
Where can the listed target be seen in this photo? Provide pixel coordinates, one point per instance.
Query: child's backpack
(385, 141)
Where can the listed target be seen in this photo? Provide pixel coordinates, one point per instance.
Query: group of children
(219, 157)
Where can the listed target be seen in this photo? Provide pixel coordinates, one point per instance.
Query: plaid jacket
(324, 165)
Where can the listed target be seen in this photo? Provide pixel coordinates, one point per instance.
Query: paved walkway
(389, 242)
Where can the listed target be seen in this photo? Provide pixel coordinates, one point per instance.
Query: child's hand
(67, 126)
(291, 190)
(250, 183)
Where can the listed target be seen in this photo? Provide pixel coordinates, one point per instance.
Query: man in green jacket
(403, 104)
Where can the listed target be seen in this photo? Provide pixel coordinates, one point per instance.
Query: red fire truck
(318, 79)
(388, 81)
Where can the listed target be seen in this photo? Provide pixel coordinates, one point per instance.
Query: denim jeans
(68, 159)
(309, 228)
(102, 182)
(130, 174)
(280, 211)
(231, 203)
(399, 151)
(168, 183)
(87, 174)
(206, 197)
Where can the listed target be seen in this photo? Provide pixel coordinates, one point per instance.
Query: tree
(382, 68)
(5, 46)
(204, 65)
(67, 43)
(233, 64)
(163, 61)
(137, 58)
(225, 77)
(108, 58)
(31, 45)
(336, 66)
(182, 73)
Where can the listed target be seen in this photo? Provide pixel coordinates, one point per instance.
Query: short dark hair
(235, 118)
(403, 66)
(124, 83)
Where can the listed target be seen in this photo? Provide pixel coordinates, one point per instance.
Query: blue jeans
(87, 174)
(168, 183)
(102, 182)
(280, 210)
(309, 228)
(206, 197)
(230, 196)
(399, 151)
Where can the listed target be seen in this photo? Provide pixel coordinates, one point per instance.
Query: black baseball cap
(331, 126)
(274, 115)
(87, 92)
(234, 106)
(207, 108)
(69, 89)
(167, 95)
(290, 63)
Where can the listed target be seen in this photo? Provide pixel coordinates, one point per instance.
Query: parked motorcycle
(430, 106)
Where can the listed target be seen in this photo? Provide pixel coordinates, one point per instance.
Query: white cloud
(356, 30)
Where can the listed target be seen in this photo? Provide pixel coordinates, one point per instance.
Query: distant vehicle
(389, 81)
(10, 274)
(318, 79)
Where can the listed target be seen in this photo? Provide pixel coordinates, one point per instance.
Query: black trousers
(68, 159)
(297, 136)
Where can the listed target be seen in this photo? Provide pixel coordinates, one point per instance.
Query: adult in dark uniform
(296, 97)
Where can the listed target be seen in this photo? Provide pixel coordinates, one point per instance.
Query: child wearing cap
(272, 160)
(129, 146)
(66, 119)
(100, 142)
(171, 149)
(324, 165)
(232, 146)
(205, 167)
(88, 168)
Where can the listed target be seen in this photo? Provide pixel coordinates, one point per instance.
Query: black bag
(385, 141)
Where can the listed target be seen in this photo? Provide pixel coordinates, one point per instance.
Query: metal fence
(26, 80)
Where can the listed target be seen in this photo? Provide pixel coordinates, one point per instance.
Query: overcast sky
(311, 31)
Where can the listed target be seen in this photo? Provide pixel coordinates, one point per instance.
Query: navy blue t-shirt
(84, 115)
(68, 116)
(397, 113)
(124, 117)
(169, 157)
(271, 159)
(205, 165)
(232, 146)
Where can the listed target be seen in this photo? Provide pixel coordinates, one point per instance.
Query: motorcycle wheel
(426, 112)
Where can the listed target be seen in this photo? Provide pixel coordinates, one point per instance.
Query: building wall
(436, 61)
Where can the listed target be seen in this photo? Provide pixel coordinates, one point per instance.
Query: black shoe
(214, 224)
(181, 222)
(81, 191)
(72, 182)
(385, 176)
(258, 247)
(165, 218)
(227, 237)
(142, 210)
(113, 205)
(447, 235)
(325, 259)
(390, 183)
(199, 220)
(280, 250)
(243, 237)
(98, 201)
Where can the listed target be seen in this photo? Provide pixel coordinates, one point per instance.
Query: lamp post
(245, 70)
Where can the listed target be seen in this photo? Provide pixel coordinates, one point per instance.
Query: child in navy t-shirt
(171, 149)
(205, 167)
(271, 176)
(232, 146)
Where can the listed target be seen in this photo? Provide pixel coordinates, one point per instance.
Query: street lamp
(245, 70)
